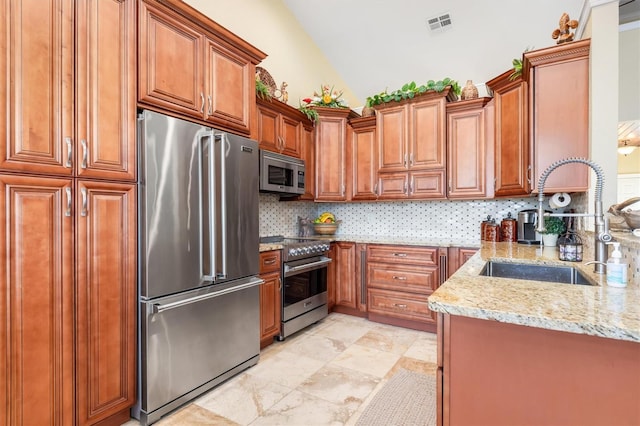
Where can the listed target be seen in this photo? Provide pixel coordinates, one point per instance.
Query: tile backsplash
(426, 219)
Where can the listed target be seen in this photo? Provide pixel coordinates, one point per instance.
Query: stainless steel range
(304, 274)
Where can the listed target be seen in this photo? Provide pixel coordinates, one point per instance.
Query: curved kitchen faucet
(602, 235)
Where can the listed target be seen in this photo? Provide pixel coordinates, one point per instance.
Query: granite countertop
(597, 310)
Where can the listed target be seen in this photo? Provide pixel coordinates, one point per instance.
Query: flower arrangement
(411, 90)
(326, 98)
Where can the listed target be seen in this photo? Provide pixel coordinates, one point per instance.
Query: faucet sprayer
(602, 235)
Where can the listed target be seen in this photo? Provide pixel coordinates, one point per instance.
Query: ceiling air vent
(439, 23)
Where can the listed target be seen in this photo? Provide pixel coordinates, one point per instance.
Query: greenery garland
(410, 90)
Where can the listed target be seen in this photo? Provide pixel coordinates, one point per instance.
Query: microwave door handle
(221, 204)
(207, 182)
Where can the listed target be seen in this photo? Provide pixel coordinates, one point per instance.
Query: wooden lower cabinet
(270, 296)
(348, 283)
(494, 373)
(456, 257)
(399, 280)
(69, 324)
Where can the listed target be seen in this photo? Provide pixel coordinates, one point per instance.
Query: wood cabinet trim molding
(566, 52)
(466, 105)
(214, 30)
(284, 109)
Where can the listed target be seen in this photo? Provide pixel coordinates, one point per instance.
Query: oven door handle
(294, 270)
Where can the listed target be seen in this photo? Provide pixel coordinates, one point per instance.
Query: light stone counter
(270, 246)
(597, 309)
(433, 242)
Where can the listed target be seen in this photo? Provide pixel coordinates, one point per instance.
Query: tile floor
(324, 375)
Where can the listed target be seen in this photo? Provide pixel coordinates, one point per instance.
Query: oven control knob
(306, 250)
(293, 252)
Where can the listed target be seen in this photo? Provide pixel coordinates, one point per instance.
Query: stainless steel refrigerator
(198, 289)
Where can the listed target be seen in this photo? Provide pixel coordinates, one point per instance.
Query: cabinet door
(268, 129)
(308, 153)
(363, 160)
(170, 61)
(330, 158)
(346, 285)
(37, 298)
(466, 162)
(105, 89)
(331, 277)
(559, 96)
(427, 184)
(290, 136)
(393, 186)
(511, 139)
(427, 134)
(392, 138)
(105, 299)
(37, 71)
(230, 88)
(270, 307)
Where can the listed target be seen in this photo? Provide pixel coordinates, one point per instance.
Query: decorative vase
(550, 240)
(469, 91)
(368, 112)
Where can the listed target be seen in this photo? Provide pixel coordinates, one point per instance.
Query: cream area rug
(407, 399)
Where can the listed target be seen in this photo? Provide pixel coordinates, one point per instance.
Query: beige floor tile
(424, 349)
(319, 347)
(347, 332)
(243, 398)
(299, 408)
(340, 385)
(366, 360)
(286, 368)
(193, 415)
(387, 339)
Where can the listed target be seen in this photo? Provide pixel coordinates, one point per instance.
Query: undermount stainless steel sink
(527, 271)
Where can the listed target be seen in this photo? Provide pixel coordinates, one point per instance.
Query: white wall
(270, 26)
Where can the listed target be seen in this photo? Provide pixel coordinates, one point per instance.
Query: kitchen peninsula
(562, 353)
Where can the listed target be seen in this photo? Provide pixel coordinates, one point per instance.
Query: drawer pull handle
(269, 262)
(400, 254)
(395, 277)
(400, 305)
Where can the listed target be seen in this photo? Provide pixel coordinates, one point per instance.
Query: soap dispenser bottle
(616, 269)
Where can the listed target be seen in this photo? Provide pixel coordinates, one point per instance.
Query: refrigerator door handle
(159, 307)
(207, 201)
(221, 205)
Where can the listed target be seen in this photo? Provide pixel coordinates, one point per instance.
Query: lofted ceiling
(382, 44)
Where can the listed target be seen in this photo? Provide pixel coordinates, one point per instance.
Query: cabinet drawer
(409, 306)
(270, 261)
(419, 279)
(402, 254)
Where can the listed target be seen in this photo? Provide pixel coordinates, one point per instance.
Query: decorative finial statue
(563, 32)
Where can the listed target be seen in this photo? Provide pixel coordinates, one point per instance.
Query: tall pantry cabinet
(68, 204)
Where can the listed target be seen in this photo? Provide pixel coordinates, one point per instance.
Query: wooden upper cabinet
(37, 70)
(37, 297)
(308, 154)
(191, 66)
(331, 154)
(411, 141)
(511, 136)
(45, 134)
(363, 158)
(105, 89)
(392, 127)
(558, 80)
(171, 68)
(230, 88)
(279, 127)
(105, 299)
(467, 149)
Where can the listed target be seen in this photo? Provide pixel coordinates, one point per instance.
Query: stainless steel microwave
(281, 173)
